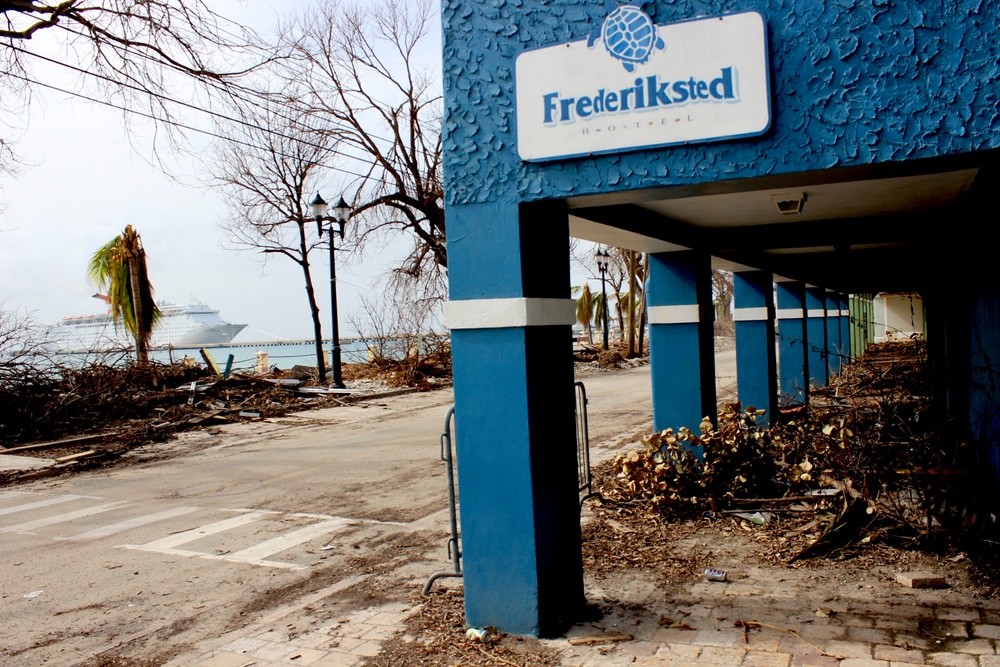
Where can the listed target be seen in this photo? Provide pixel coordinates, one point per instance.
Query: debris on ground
(920, 580)
(614, 357)
(90, 416)
(428, 371)
(871, 461)
(604, 638)
(439, 636)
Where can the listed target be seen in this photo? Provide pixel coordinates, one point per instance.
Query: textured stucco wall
(852, 82)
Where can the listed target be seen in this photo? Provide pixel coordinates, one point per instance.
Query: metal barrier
(583, 476)
(454, 548)
(583, 444)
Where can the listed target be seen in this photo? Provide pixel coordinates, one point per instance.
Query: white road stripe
(10, 494)
(199, 554)
(351, 522)
(173, 541)
(60, 518)
(43, 503)
(128, 524)
(259, 552)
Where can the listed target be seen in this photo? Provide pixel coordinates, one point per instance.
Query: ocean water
(283, 354)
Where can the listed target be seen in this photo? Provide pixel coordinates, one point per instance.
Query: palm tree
(585, 309)
(119, 268)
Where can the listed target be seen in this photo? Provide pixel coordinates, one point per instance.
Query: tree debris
(869, 458)
(109, 409)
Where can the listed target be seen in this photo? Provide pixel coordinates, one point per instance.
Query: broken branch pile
(99, 412)
(870, 456)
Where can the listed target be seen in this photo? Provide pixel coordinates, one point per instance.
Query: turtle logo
(628, 33)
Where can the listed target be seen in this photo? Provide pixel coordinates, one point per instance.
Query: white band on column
(790, 313)
(673, 314)
(816, 312)
(505, 313)
(750, 314)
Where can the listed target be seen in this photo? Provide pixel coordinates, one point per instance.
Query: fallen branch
(53, 444)
(599, 639)
(749, 625)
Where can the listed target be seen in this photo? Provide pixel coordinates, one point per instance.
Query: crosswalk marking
(61, 518)
(43, 503)
(307, 515)
(121, 526)
(174, 541)
(255, 554)
(259, 552)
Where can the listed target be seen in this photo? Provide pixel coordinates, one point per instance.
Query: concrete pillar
(845, 329)
(834, 349)
(756, 361)
(510, 319)
(984, 371)
(681, 339)
(816, 335)
(792, 348)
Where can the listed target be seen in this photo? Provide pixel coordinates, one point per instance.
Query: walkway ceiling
(859, 230)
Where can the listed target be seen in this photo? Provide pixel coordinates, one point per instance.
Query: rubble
(870, 461)
(93, 415)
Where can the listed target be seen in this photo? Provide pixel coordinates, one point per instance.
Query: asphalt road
(198, 532)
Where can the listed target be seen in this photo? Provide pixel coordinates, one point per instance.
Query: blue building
(822, 148)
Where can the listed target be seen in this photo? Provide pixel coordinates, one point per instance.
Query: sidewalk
(766, 616)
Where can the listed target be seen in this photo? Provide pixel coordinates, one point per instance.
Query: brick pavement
(882, 625)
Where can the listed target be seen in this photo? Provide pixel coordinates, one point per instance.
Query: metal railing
(448, 456)
(583, 445)
(454, 548)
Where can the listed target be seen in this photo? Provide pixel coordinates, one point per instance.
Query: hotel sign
(633, 85)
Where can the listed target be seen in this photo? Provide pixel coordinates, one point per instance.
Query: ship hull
(179, 326)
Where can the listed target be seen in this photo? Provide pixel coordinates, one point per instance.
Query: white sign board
(635, 85)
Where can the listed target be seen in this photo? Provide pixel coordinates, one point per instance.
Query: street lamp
(341, 213)
(602, 258)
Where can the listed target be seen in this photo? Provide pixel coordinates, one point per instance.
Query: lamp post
(602, 265)
(341, 214)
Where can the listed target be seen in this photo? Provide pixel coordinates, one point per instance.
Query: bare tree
(722, 299)
(25, 349)
(395, 326)
(360, 64)
(626, 280)
(135, 55)
(267, 169)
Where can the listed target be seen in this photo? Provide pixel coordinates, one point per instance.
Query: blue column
(756, 362)
(681, 339)
(511, 317)
(983, 370)
(847, 350)
(833, 343)
(792, 347)
(816, 335)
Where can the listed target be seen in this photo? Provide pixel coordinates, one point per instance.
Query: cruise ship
(180, 326)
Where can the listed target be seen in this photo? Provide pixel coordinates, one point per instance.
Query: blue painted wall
(853, 83)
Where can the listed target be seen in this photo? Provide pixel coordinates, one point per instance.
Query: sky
(85, 178)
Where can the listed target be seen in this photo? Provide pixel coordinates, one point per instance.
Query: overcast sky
(85, 178)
